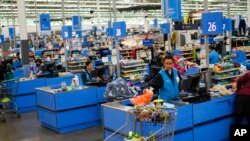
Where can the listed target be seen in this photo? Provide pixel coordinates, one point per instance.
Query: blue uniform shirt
(214, 57)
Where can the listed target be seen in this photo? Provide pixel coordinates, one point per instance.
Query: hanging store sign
(78, 34)
(119, 29)
(155, 23)
(165, 28)
(212, 23)
(1, 39)
(12, 33)
(174, 9)
(109, 32)
(67, 32)
(77, 22)
(227, 24)
(45, 22)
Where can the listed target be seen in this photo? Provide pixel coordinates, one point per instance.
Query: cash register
(101, 72)
(192, 92)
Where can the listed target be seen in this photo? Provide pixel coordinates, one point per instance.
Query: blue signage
(12, 32)
(227, 25)
(212, 23)
(109, 32)
(119, 29)
(165, 28)
(155, 23)
(77, 22)
(78, 34)
(45, 22)
(174, 9)
(148, 42)
(1, 39)
(67, 32)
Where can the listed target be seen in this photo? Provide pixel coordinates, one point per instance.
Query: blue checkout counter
(205, 121)
(66, 111)
(24, 91)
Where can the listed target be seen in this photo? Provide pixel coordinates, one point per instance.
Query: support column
(206, 36)
(98, 14)
(230, 32)
(23, 31)
(116, 42)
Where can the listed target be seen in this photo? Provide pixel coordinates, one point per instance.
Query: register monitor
(191, 85)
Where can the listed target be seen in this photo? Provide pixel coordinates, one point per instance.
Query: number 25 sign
(212, 23)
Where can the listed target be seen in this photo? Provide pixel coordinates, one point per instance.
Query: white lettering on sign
(118, 32)
(212, 26)
(77, 35)
(239, 132)
(224, 26)
(66, 34)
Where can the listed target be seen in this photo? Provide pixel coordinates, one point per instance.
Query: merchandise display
(225, 73)
(133, 69)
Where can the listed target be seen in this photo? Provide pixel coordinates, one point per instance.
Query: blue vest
(88, 77)
(169, 90)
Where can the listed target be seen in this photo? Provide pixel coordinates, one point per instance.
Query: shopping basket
(8, 89)
(156, 126)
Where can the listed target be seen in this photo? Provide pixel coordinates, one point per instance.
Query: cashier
(86, 74)
(167, 81)
(39, 67)
(242, 101)
(213, 56)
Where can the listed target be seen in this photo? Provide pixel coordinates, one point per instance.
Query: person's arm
(156, 83)
(241, 81)
(84, 78)
(179, 75)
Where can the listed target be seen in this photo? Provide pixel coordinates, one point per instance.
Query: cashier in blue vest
(86, 74)
(213, 56)
(167, 81)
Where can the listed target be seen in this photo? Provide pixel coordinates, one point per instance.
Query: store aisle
(28, 128)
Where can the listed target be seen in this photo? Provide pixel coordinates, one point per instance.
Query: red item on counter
(143, 99)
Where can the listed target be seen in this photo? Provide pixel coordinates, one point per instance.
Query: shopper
(242, 102)
(167, 81)
(213, 56)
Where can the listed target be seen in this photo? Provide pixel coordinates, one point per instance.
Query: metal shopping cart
(8, 89)
(142, 125)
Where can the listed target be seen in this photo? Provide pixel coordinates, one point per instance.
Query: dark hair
(162, 48)
(168, 56)
(88, 63)
(38, 61)
(212, 47)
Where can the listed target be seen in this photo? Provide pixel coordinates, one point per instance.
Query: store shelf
(76, 71)
(77, 62)
(188, 58)
(222, 78)
(133, 75)
(134, 66)
(187, 53)
(77, 66)
(133, 70)
(227, 70)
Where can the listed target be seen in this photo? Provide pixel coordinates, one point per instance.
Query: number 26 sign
(212, 23)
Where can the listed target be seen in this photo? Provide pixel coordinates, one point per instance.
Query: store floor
(28, 128)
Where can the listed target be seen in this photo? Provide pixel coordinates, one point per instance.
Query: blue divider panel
(213, 109)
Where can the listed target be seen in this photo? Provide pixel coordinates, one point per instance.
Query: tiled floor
(28, 128)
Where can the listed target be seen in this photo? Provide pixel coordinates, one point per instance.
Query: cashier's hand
(98, 79)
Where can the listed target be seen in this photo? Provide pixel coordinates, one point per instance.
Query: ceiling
(8, 8)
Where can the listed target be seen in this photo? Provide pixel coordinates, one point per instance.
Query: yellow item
(5, 100)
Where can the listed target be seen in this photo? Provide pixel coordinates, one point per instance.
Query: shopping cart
(139, 126)
(8, 89)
